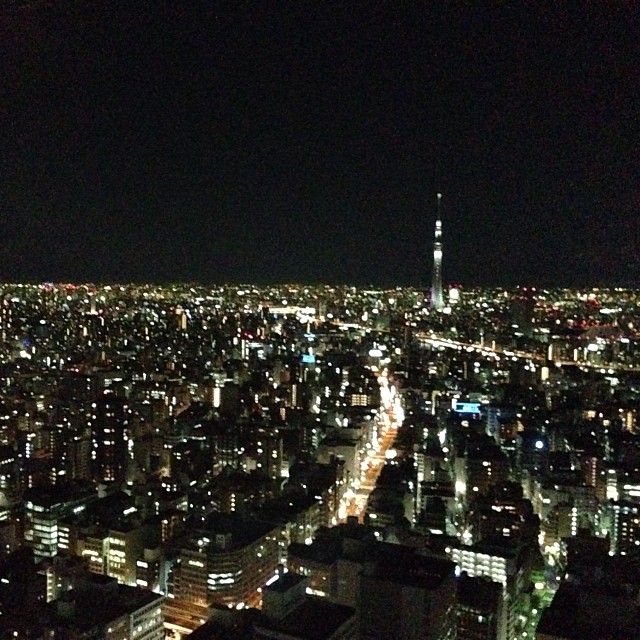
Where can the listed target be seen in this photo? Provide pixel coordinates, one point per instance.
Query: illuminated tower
(437, 300)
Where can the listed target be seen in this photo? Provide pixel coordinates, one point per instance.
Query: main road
(438, 341)
(388, 420)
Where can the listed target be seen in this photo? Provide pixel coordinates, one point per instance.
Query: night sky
(306, 141)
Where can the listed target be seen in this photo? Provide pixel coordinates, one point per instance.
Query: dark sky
(305, 141)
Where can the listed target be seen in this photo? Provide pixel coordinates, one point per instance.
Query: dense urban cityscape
(318, 462)
(319, 320)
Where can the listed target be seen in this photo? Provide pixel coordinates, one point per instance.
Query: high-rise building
(505, 563)
(481, 610)
(621, 520)
(108, 425)
(225, 563)
(437, 299)
(44, 508)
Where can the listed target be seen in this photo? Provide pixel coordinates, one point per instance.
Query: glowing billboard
(467, 407)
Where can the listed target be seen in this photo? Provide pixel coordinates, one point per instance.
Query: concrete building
(621, 520)
(105, 609)
(333, 562)
(45, 508)
(481, 611)
(500, 563)
(226, 563)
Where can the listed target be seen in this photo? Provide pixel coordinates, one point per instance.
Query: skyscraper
(109, 431)
(437, 300)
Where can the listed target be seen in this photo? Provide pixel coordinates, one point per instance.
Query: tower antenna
(437, 299)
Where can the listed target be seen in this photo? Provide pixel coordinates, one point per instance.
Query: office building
(227, 563)
(45, 508)
(105, 609)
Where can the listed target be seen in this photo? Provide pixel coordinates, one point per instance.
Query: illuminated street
(319, 321)
(498, 352)
(389, 419)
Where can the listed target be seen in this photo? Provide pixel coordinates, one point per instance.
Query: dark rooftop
(479, 593)
(579, 614)
(315, 619)
(405, 565)
(284, 582)
(61, 493)
(97, 603)
(241, 531)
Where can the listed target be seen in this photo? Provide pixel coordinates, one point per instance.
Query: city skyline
(246, 144)
(318, 463)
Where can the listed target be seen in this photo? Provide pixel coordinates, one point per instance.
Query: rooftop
(97, 603)
(315, 619)
(479, 593)
(579, 614)
(285, 582)
(407, 566)
(239, 532)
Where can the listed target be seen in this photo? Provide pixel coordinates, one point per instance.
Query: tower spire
(437, 300)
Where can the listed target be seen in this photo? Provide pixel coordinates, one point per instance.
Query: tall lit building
(501, 564)
(108, 426)
(621, 520)
(44, 508)
(437, 299)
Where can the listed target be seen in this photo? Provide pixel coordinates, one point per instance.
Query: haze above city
(307, 142)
